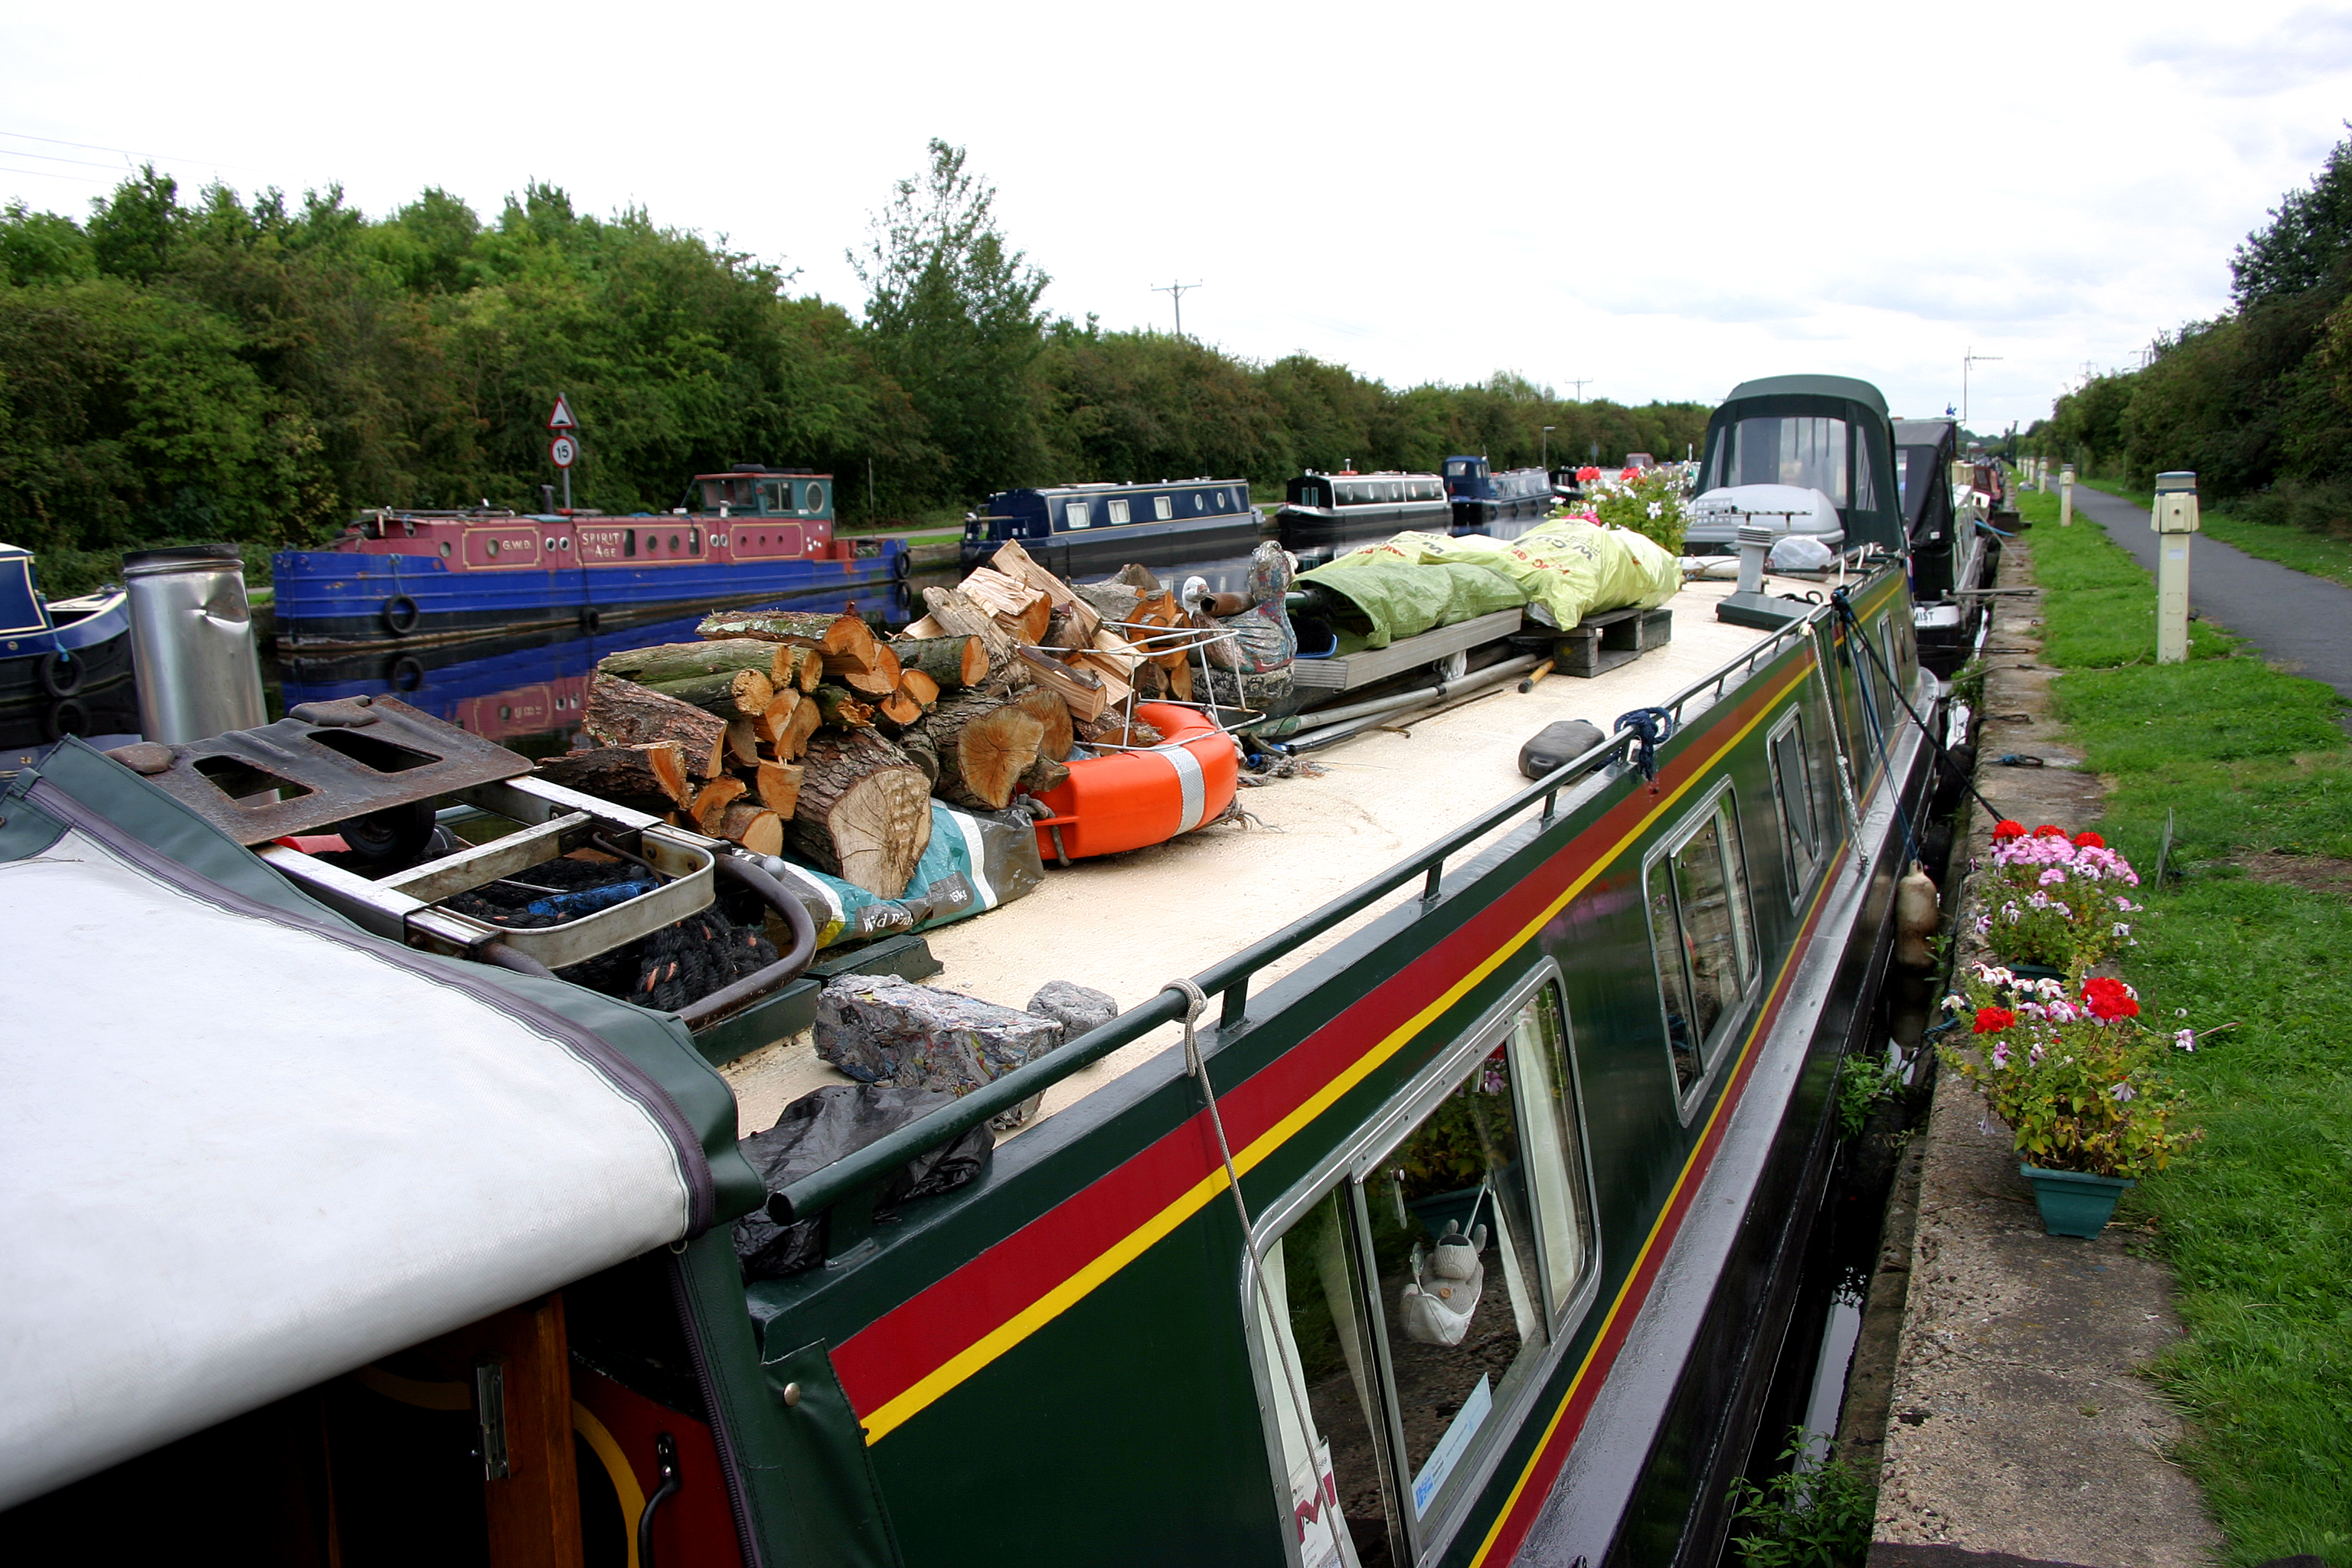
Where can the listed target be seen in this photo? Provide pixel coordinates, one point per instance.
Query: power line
(124, 151)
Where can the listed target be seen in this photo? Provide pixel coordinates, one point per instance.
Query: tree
(2310, 235)
(953, 312)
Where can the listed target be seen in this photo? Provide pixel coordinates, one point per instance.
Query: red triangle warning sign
(562, 419)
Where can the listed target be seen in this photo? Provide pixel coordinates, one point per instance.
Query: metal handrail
(864, 1174)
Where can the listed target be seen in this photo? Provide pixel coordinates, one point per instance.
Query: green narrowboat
(1460, 1225)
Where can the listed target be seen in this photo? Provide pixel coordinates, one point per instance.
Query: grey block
(1077, 1008)
(878, 1028)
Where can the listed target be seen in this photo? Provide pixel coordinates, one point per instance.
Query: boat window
(775, 496)
(1417, 1299)
(629, 543)
(1455, 471)
(1074, 515)
(813, 498)
(1865, 488)
(1792, 793)
(1805, 451)
(1702, 936)
(1118, 511)
(1163, 506)
(1198, 504)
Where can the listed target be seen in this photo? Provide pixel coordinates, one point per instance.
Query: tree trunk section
(864, 811)
(951, 661)
(624, 773)
(665, 662)
(985, 744)
(710, 805)
(1048, 709)
(742, 693)
(807, 626)
(623, 713)
(841, 709)
(779, 784)
(960, 616)
(919, 687)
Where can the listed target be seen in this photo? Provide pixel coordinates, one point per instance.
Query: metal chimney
(192, 642)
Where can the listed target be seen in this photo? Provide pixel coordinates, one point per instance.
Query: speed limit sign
(563, 451)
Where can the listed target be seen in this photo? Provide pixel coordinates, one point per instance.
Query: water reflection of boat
(510, 689)
(406, 578)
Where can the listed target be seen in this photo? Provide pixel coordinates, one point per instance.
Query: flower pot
(2075, 1203)
(2036, 972)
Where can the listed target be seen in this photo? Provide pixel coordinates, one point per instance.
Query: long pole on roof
(1177, 291)
(1967, 359)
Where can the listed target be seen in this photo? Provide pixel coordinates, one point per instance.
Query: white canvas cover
(237, 1157)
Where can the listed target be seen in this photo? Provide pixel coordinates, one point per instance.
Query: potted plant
(2079, 1081)
(2054, 906)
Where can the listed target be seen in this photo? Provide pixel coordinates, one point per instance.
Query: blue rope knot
(1651, 728)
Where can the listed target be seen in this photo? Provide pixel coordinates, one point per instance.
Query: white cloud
(1662, 210)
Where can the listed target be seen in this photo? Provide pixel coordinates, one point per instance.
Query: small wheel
(400, 615)
(592, 619)
(61, 674)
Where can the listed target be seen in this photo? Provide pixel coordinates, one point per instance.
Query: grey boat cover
(246, 1147)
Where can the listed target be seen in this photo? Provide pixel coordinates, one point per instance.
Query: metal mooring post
(2174, 518)
(2066, 496)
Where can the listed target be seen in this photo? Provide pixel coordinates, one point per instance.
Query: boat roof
(1844, 386)
(1208, 894)
(246, 1147)
(1927, 432)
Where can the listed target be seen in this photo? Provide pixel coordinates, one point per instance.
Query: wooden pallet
(1613, 638)
(1349, 671)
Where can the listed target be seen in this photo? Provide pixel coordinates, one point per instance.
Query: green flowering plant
(1651, 501)
(2079, 1081)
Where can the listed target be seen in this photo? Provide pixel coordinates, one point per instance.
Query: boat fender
(400, 615)
(592, 619)
(1557, 744)
(60, 674)
(1917, 914)
(1437, 1304)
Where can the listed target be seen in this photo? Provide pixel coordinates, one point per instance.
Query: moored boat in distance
(416, 577)
(1481, 499)
(1324, 514)
(1075, 530)
(59, 659)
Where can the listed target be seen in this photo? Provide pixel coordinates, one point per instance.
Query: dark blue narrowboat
(57, 656)
(1482, 498)
(1078, 529)
(1332, 512)
(409, 578)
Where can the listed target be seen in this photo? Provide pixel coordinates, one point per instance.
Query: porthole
(492, 548)
(673, 541)
(444, 547)
(551, 543)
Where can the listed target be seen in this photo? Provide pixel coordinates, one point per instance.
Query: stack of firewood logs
(804, 731)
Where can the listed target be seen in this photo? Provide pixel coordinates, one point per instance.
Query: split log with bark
(622, 713)
(633, 775)
(947, 661)
(984, 745)
(755, 827)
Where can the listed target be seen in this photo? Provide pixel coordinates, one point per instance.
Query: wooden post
(522, 1361)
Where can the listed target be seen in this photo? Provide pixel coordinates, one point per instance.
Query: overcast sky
(1658, 201)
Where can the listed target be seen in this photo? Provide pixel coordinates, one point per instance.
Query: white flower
(2185, 1039)
(1656, 511)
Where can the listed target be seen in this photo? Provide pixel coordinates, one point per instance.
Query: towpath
(2301, 623)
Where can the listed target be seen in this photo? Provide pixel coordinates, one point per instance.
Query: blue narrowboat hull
(329, 599)
(1079, 553)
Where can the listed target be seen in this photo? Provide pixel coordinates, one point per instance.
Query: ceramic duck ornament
(1447, 1281)
(1262, 638)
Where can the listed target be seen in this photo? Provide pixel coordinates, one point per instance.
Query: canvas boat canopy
(1826, 433)
(246, 1147)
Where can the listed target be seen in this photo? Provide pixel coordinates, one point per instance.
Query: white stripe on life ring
(1190, 782)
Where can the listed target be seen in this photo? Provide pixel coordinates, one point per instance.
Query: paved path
(2301, 623)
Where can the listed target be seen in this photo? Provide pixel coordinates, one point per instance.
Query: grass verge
(2257, 1221)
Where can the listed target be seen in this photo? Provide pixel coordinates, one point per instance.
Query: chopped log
(919, 687)
(985, 744)
(917, 630)
(950, 661)
(1162, 631)
(1139, 578)
(1120, 729)
(960, 616)
(755, 827)
(624, 773)
(716, 796)
(899, 708)
(1117, 672)
(743, 741)
(623, 713)
(779, 784)
(1045, 773)
(1083, 690)
(864, 811)
(850, 637)
(1015, 562)
(770, 625)
(1045, 705)
(1113, 600)
(874, 672)
(1180, 683)
(665, 662)
(797, 666)
(920, 752)
(807, 718)
(742, 693)
(776, 721)
(841, 709)
(1021, 610)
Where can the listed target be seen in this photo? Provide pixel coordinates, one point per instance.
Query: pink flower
(2052, 877)
(2123, 1092)
(2184, 1039)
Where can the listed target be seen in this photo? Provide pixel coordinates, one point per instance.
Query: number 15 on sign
(563, 451)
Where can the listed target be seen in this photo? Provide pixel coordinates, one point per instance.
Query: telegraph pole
(1177, 291)
(1580, 387)
(1967, 359)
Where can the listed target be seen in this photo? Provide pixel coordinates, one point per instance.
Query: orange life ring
(1125, 800)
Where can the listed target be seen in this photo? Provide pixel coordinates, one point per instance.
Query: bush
(1809, 1516)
